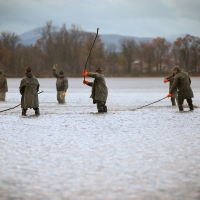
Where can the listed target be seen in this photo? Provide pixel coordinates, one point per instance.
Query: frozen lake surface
(71, 152)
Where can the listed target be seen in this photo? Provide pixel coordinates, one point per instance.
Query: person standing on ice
(61, 85)
(99, 89)
(3, 86)
(29, 88)
(182, 82)
(170, 79)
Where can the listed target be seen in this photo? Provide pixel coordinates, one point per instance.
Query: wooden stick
(91, 49)
(149, 104)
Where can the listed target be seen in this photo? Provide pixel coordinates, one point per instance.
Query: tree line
(69, 49)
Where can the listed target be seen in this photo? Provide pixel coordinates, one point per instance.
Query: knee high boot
(99, 106)
(24, 111)
(104, 108)
(173, 101)
(37, 111)
(180, 107)
(189, 101)
(191, 106)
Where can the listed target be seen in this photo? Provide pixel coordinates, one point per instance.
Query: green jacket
(3, 84)
(170, 78)
(182, 83)
(99, 88)
(29, 90)
(61, 83)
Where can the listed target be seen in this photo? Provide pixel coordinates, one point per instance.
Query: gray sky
(140, 18)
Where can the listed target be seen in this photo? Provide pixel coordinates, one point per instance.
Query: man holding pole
(29, 88)
(182, 82)
(99, 89)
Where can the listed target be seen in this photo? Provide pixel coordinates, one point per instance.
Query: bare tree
(149, 56)
(129, 50)
(111, 58)
(161, 52)
(10, 42)
(195, 52)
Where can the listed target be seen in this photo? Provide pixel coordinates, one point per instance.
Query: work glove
(85, 82)
(169, 95)
(55, 66)
(64, 94)
(165, 80)
(85, 73)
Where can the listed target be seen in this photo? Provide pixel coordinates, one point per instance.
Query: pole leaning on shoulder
(91, 50)
(16, 106)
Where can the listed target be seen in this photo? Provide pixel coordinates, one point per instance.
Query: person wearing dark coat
(29, 88)
(61, 85)
(99, 89)
(182, 82)
(174, 96)
(3, 86)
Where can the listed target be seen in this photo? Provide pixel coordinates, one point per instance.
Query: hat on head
(176, 68)
(61, 73)
(28, 69)
(99, 70)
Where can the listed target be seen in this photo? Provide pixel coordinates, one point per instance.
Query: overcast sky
(140, 18)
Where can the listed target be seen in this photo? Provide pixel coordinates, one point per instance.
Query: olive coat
(29, 90)
(182, 82)
(99, 88)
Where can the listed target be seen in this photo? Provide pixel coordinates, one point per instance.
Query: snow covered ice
(72, 152)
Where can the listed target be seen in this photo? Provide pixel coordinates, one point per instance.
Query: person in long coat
(61, 85)
(182, 82)
(174, 96)
(3, 86)
(29, 88)
(99, 89)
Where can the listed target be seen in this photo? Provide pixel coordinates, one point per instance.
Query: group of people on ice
(29, 87)
(179, 89)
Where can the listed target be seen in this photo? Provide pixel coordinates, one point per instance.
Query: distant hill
(29, 37)
(116, 39)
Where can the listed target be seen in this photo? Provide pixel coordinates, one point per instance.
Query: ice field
(70, 152)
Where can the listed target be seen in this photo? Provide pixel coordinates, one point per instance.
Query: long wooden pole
(91, 50)
(149, 104)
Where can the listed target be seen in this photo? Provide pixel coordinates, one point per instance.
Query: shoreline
(138, 75)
